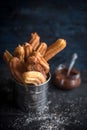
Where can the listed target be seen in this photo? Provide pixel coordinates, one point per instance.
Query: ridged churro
(19, 52)
(42, 48)
(34, 41)
(33, 77)
(55, 48)
(7, 56)
(28, 50)
(43, 62)
(17, 68)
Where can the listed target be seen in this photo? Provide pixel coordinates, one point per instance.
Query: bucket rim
(33, 86)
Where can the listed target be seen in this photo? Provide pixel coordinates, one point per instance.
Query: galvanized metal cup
(30, 97)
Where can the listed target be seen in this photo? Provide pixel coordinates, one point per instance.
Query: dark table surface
(51, 19)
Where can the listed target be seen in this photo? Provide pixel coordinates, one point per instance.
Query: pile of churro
(29, 62)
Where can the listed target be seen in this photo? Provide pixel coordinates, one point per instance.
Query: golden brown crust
(42, 48)
(28, 50)
(34, 41)
(7, 56)
(37, 63)
(33, 77)
(36, 67)
(17, 68)
(43, 62)
(55, 48)
(19, 52)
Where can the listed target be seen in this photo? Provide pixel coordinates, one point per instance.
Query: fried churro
(34, 41)
(28, 50)
(7, 56)
(42, 48)
(29, 63)
(17, 68)
(43, 62)
(55, 48)
(33, 77)
(19, 52)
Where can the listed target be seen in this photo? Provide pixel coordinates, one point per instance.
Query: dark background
(51, 19)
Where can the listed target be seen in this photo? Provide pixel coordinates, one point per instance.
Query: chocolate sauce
(63, 81)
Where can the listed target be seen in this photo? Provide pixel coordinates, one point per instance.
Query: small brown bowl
(63, 81)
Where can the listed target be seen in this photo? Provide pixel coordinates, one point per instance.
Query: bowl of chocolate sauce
(63, 81)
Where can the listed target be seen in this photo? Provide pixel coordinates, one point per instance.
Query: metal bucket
(30, 97)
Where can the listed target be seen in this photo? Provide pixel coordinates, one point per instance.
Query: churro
(55, 48)
(42, 48)
(28, 50)
(33, 77)
(19, 52)
(43, 62)
(34, 41)
(7, 56)
(17, 68)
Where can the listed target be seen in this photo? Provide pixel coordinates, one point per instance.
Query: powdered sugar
(58, 118)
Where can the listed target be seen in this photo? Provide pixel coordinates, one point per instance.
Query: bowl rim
(63, 66)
